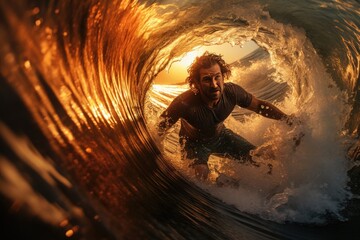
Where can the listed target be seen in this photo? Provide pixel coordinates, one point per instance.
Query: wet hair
(206, 61)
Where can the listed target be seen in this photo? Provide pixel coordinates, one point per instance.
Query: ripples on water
(79, 157)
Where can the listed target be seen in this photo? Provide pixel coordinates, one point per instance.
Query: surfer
(202, 110)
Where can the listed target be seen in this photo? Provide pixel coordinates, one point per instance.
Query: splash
(77, 83)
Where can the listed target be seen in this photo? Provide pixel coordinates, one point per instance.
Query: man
(203, 109)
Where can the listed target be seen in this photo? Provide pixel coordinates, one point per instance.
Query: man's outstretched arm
(268, 110)
(167, 119)
(163, 125)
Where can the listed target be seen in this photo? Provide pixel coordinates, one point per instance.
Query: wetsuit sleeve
(241, 97)
(171, 115)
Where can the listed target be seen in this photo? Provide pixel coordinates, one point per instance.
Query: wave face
(79, 156)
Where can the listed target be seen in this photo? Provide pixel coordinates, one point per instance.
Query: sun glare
(177, 71)
(189, 57)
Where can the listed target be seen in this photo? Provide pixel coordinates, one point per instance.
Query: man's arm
(170, 116)
(177, 109)
(165, 123)
(268, 110)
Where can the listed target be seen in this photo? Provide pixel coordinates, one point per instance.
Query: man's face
(211, 83)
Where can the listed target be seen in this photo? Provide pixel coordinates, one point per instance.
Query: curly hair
(206, 61)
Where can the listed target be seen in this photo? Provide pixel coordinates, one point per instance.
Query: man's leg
(235, 146)
(199, 155)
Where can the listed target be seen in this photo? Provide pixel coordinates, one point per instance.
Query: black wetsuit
(202, 128)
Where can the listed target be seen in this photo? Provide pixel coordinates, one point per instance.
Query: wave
(79, 156)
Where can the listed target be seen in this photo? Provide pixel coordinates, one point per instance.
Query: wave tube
(78, 155)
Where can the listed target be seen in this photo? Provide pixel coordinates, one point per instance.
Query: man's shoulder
(186, 97)
(237, 94)
(187, 94)
(231, 87)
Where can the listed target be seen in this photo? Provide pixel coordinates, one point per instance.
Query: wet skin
(211, 84)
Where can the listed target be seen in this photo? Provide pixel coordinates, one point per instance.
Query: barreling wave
(78, 152)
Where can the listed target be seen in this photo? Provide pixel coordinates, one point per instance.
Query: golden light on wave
(177, 71)
(161, 95)
(100, 112)
(188, 58)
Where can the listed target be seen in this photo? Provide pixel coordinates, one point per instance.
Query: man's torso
(198, 121)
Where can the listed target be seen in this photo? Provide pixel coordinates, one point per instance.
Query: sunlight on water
(78, 83)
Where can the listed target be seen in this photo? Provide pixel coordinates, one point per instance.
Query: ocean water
(80, 158)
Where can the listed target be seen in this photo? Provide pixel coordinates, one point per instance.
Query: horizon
(177, 73)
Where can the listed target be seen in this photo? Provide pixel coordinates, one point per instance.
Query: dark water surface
(78, 159)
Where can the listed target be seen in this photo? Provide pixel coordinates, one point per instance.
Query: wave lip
(80, 75)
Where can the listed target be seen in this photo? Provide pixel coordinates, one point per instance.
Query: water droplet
(27, 64)
(38, 22)
(69, 233)
(36, 10)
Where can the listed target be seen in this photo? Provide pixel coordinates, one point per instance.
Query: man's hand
(201, 171)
